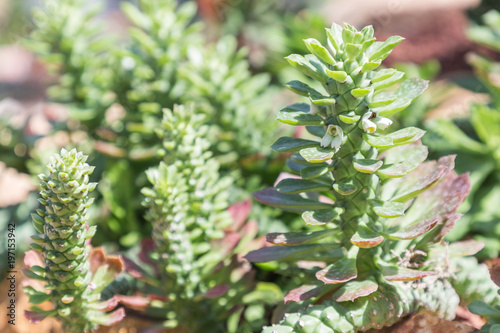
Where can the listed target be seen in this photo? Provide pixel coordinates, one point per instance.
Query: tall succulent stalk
(70, 284)
(373, 220)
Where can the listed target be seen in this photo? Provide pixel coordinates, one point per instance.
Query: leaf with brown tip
(394, 273)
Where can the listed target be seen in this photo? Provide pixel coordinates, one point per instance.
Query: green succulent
(375, 213)
(200, 282)
(70, 284)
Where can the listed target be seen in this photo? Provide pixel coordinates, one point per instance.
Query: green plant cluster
(488, 311)
(116, 87)
(375, 220)
(70, 285)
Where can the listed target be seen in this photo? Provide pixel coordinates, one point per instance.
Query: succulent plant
(375, 214)
(194, 271)
(71, 284)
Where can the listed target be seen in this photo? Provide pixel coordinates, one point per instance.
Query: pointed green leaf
(303, 65)
(367, 166)
(295, 186)
(379, 50)
(406, 135)
(360, 92)
(388, 82)
(352, 50)
(382, 74)
(339, 76)
(317, 154)
(369, 66)
(298, 114)
(301, 88)
(318, 131)
(315, 47)
(287, 144)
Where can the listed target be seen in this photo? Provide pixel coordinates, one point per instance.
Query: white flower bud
(368, 125)
(333, 137)
(382, 122)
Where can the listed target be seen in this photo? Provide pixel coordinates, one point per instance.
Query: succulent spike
(186, 205)
(382, 234)
(70, 284)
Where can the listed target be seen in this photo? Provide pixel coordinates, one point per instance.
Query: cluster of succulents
(177, 128)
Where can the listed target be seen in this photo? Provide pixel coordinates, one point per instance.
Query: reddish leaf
(303, 293)
(107, 305)
(217, 291)
(422, 178)
(35, 317)
(147, 247)
(133, 269)
(97, 258)
(134, 302)
(366, 238)
(355, 289)
(32, 258)
(239, 213)
(109, 319)
(495, 275)
(289, 202)
(415, 229)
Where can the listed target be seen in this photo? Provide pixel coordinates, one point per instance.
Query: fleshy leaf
(355, 289)
(341, 271)
(287, 144)
(314, 171)
(319, 217)
(300, 88)
(394, 273)
(291, 253)
(298, 238)
(423, 177)
(378, 141)
(303, 293)
(406, 93)
(367, 166)
(393, 170)
(414, 230)
(108, 319)
(298, 114)
(36, 316)
(406, 135)
(303, 65)
(345, 187)
(483, 309)
(465, 248)
(294, 186)
(291, 202)
(366, 238)
(317, 154)
(388, 208)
